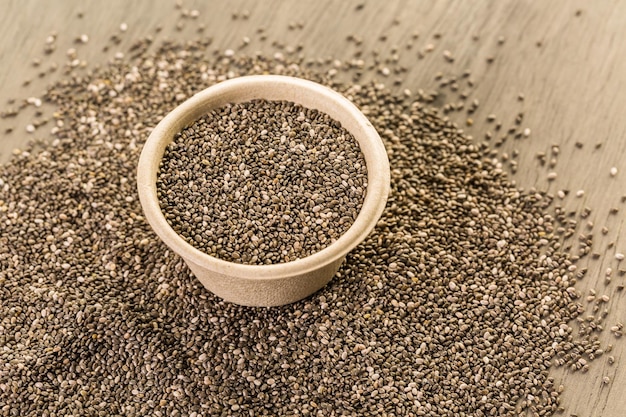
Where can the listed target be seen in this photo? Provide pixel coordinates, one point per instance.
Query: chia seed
(262, 182)
(458, 303)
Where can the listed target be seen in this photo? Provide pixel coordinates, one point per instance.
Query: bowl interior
(269, 87)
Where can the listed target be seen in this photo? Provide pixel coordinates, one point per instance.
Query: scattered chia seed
(458, 303)
(262, 182)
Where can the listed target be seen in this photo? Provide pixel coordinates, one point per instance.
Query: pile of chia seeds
(262, 182)
(457, 304)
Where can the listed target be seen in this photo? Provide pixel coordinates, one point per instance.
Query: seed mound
(262, 182)
(457, 304)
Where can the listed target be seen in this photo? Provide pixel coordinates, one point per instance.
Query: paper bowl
(277, 284)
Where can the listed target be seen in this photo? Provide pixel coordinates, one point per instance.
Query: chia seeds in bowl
(262, 182)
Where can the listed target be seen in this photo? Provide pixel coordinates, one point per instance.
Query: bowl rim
(251, 87)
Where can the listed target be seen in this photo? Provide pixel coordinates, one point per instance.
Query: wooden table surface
(568, 58)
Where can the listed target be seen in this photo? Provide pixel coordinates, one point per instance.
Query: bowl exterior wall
(264, 293)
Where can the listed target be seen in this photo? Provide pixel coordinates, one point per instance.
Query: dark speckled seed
(458, 303)
(262, 182)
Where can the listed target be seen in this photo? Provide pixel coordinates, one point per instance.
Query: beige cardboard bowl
(277, 284)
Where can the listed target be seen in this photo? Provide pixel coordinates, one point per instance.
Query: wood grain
(574, 87)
